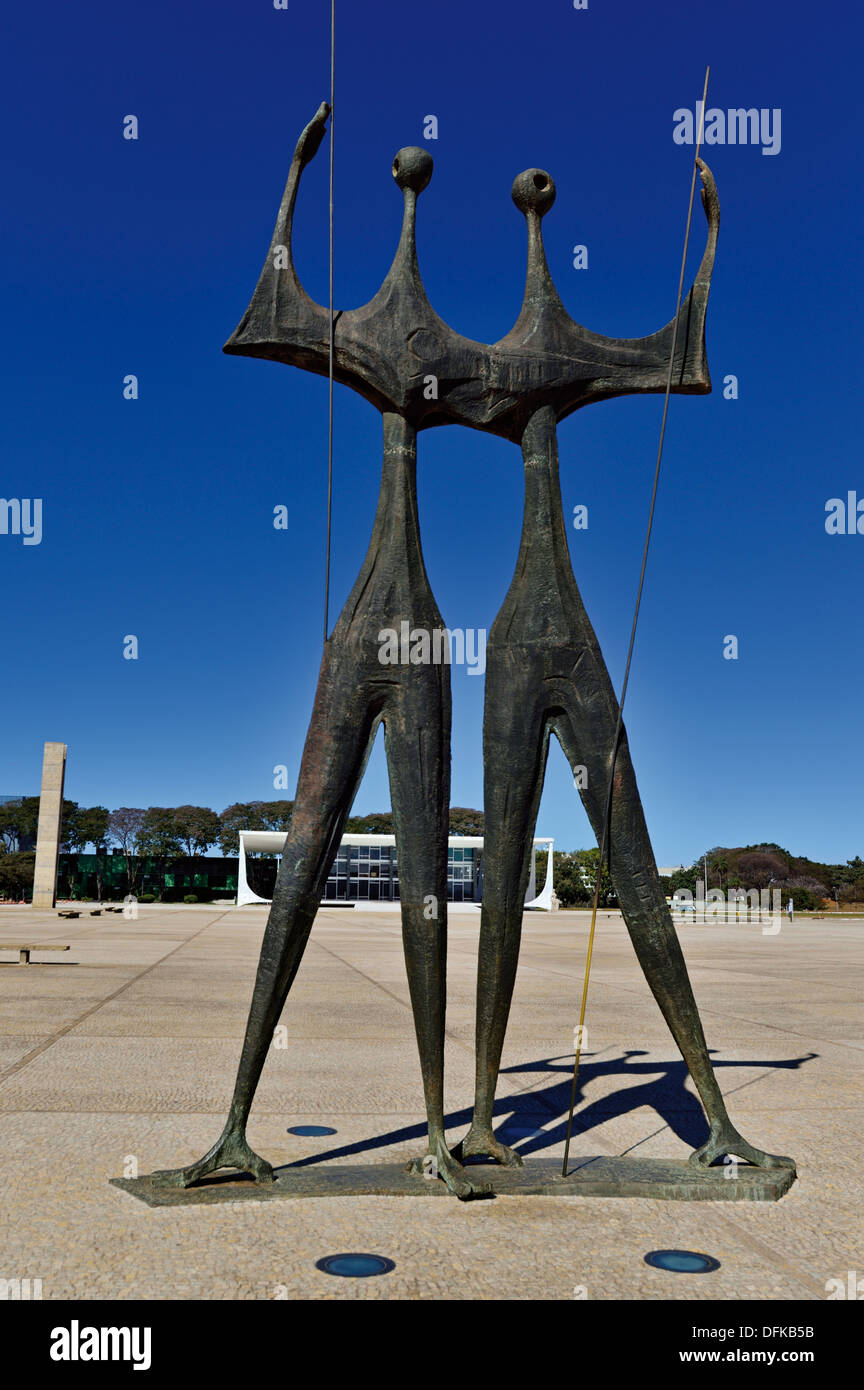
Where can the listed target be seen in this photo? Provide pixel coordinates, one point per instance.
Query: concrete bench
(24, 951)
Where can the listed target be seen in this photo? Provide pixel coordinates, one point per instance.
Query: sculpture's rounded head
(533, 191)
(412, 168)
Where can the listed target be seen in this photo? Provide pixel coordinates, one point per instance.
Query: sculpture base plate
(596, 1176)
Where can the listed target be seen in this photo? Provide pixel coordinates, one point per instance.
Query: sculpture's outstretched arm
(711, 204)
(282, 322)
(567, 365)
(377, 348)
(636, 365)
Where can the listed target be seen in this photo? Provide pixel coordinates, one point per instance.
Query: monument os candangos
(545, 671)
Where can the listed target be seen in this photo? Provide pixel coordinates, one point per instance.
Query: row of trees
(81, 825)
(157, 832)
(808, 882)
(163, 832)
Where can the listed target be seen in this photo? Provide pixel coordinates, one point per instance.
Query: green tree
(16, 874)
(717, 864)
(70, 838)
(759, 868)
(10, 812)
(241, 815)
(89, 826)
(124, 828)
(463, 821)
(803, 899)
(70, 842)
(277, 814)
(197, 828)
(570, 886)
(19, 820)
(589, 859)
(159, 835)
(855, 874)
(372, 823)
(684, 878)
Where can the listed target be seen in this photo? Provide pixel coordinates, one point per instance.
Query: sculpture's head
(412, 168)
(533, 192)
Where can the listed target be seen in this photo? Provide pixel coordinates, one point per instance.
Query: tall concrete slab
(48, 833)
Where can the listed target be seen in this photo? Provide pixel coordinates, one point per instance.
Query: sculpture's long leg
(582, 701)
(417, 739)
(353, 688)
(340, 737)
(641, 897)
(358, 686)
(557, 668)
(515, 744)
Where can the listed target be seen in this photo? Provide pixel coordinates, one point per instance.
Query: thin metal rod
(332, 324)
(607, 814)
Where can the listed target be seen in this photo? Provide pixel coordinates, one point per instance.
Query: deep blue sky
(141, 257)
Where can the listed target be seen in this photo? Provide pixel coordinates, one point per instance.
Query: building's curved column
(245, 894)
(543, 900)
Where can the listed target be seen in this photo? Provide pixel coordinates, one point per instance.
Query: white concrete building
(366, 869)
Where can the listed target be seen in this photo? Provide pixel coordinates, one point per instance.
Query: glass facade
(370, 873)
(89, 876)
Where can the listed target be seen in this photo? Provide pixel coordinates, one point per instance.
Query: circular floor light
(682, 1261)
(311, 1131)
(355, 1266)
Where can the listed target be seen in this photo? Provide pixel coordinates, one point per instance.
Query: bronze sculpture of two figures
(545, 672)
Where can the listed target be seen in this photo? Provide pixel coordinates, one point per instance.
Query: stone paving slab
(152, 1074)
(120, 1066)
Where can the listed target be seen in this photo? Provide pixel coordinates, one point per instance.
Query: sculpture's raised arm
(650, 356)
(565, 365)
(282, 322)
(375, 352)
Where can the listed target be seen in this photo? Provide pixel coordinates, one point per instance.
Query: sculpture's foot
(441, 1163)
(725, 1139)
(481, 1141)
(230, 1151)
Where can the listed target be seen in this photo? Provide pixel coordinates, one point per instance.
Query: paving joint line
(62, 1032)
(405, 1004)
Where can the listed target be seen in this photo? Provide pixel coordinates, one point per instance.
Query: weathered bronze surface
(545, 672)
(593, 1176)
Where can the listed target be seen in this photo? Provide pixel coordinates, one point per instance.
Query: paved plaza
(123, 1051)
